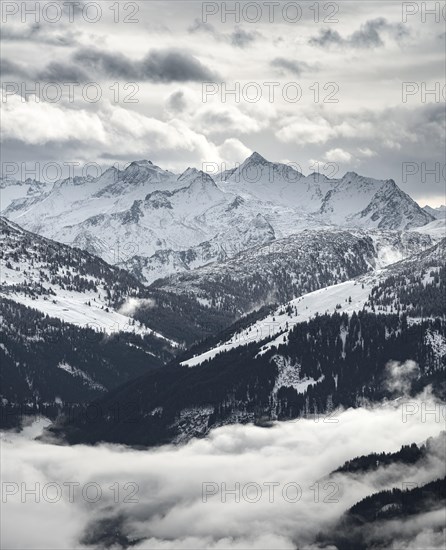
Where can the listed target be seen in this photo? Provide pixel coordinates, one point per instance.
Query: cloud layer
(171, 511)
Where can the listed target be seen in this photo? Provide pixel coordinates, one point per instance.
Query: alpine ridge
(156, 223)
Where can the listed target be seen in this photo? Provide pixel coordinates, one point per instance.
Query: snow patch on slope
(80, 373)
(289, 376)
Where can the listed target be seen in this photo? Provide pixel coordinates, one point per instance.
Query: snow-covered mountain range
(12, 189)
(149, 264)
(155, 223)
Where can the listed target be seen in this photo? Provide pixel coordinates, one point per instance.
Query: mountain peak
(351, 175)
(201, 180)
(73, 181)
(142, 163)
(257, 158)
(392, 183)
(110, 170)
(188, 173)
(140, 171)
(196, 179)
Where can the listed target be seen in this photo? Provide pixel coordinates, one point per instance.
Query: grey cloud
(239, 38)
(218, 120)
(168, 65)
(65, 39)
(53, 72)
(399, 376)
(177, 101)
(8, 67)
(39, 33)
(294, 67)
(73, 6)
(61, 72)
(412, 133)
(327, 37)
(109, 64)
(172, 65)
(368, 36)
(19, 33)
(200, 26)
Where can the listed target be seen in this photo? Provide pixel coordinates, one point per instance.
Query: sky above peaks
(328, 86)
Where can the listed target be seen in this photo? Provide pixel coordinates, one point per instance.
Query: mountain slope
(68, 334)
(308, 364)
(404, 507)
(50, 366)
(67, 283)
(79, 288)
(409, 285)
(414, 455)
(13, 190)
(312, 373)
(393, 517)
(292, 266)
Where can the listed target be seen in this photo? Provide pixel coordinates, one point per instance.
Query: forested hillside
(330, 361)
(48, 366)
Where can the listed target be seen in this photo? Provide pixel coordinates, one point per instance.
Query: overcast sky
(348, 64)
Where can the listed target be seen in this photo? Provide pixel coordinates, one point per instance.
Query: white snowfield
(71, 307)
(11, 190)
(87, 309)
(132, 217)
(277, 325)
(436, 229)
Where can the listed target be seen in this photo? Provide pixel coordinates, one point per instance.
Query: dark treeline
(420, 296)
(371, 523)
(408, 454)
